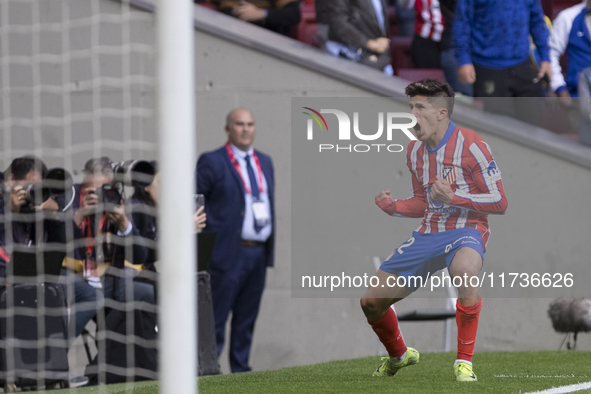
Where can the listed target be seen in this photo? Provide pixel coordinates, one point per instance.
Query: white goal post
(176, 130)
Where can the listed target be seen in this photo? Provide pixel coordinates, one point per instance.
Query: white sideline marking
(535, 376)
(564, 389)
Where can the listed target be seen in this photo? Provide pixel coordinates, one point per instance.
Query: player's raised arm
(385, 202)
(487, 176)
(412, 207)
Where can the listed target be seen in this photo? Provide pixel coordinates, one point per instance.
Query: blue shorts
(424, 254)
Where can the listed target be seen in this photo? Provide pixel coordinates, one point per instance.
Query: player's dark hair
(102, 165)
(21, 166)
(433, 90)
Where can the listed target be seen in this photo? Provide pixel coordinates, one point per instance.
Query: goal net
(83, 224)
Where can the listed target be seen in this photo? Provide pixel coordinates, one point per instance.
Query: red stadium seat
(416, 74)
(308, 34)
(207, 5)
(308, 9)
(392, 22)
(307, 29)
(572, 137)
(559, 5)
(400, 52)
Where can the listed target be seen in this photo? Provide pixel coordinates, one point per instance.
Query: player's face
(426, 115)
(241, 130)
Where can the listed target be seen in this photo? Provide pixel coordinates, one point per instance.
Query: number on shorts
(410, 241)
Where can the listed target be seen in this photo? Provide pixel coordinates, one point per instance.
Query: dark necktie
(254, 189)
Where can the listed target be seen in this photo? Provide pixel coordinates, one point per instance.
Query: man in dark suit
(358, 30)
(238, 184)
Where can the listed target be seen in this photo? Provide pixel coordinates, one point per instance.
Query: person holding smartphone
(144, 204)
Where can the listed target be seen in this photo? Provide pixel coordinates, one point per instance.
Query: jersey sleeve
(490, 197)
(413, 206)
(462, 31)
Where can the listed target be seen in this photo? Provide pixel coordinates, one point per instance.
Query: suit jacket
(354, 22)
(220, 183)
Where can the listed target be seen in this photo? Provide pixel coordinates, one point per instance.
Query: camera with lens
(56, 183)
(138, 173)
(110, 195)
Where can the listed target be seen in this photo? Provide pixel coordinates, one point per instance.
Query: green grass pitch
(498, 372)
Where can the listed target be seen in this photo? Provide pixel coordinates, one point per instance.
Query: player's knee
(371, 306)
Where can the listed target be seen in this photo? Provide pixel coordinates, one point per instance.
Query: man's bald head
(235, 111)
(240, 128)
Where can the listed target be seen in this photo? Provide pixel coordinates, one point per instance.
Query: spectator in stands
(427, 42)
(360, 33)
(571, 36)
(431, 45)
(405, 16)
(449, 61)
(491, 38)
(238, 184)
(322, 18)
(279, 16)
(584, 91)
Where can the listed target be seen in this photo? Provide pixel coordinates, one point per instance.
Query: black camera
(138, 173)
(110, 195)
(56, 183)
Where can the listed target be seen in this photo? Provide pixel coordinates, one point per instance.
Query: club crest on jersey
(449, 174)
(493, 171)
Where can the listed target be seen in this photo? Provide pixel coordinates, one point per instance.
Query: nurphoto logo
(391, 119)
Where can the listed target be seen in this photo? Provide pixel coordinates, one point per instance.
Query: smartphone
(199, 201)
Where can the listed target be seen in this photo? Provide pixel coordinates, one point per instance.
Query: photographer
(22, 183)
(101, 221)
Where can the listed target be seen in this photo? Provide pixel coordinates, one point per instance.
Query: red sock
(387, 330)
(467, 320)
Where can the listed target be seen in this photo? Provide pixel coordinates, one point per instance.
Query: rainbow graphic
(315, 118)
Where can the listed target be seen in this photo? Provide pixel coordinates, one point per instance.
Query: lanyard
(4, 255)
(237, 167)
(87, 231)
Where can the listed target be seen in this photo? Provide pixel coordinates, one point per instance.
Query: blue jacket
(219, 182)
(495, 33)
(579, 52)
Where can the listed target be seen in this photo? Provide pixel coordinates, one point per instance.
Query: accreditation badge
(261, 213)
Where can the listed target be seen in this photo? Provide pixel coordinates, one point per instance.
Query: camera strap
(90, 264)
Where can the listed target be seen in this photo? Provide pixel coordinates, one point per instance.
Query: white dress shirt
(248, 232)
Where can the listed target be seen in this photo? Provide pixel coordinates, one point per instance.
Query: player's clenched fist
(385, 202)
(441, 191)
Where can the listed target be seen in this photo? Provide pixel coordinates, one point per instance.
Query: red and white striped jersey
(466, 162)
(429, 21)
